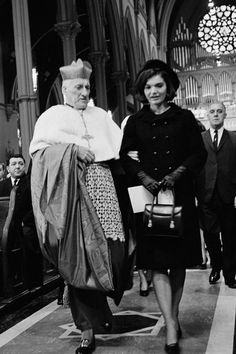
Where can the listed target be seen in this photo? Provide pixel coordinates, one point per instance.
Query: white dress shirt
(220, 132)
(13, 181)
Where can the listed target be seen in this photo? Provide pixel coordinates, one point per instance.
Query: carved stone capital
(26, 98)
(67, 29)
(98, 57)
(120, 76)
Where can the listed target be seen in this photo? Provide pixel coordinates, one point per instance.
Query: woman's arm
(129, 144)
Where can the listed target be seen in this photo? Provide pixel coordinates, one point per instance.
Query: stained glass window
(217, 29)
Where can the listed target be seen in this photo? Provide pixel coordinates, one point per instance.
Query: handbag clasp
(154, 200)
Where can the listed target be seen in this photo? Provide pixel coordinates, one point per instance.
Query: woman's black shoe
(86, 347)
(144, 292)
(172, 348)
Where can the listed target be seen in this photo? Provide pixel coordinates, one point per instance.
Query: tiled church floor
(207, 318)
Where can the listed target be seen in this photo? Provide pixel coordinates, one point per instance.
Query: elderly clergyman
(75, 202)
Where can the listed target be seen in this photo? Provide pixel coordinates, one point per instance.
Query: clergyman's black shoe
(86, 347)
(214, 276)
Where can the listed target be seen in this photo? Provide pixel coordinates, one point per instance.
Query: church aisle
(207, 319)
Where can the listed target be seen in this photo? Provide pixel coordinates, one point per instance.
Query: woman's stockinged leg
(143, 280)
(143, 286)
(177, 279)
(163, 291)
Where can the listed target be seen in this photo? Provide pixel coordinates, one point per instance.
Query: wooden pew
(17, 275)
(4, 208)
(12, 251)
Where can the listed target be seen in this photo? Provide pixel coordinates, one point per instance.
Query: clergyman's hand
(85, 155)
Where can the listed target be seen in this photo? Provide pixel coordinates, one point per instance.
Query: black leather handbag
(162, 220)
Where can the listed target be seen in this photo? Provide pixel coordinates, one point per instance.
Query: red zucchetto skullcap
(79, 69)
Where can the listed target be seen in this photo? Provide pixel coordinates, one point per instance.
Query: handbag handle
(172, 222)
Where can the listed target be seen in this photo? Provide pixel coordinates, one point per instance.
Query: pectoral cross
(86, 135)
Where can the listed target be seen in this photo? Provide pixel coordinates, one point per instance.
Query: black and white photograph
(118, 176)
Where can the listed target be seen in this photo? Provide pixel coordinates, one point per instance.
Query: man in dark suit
(19, 179)
(23, 218)
(216, 189)
(16, 170)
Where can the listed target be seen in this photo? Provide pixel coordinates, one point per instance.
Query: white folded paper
(139, 196)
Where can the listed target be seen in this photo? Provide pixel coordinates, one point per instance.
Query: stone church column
(68, 32)
(98, 49)
(67, 28)
(8, 119)
(26, 96)
(98, 59)
(120, 77)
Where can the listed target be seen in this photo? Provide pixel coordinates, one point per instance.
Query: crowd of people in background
(2, 171)
(82, 149)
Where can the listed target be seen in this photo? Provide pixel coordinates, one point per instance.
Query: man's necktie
(16, 182)
(13, 194)
(215, 139)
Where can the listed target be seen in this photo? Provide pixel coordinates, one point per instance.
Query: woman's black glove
(148, 182)
(169, 180)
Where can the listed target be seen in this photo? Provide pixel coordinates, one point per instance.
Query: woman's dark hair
(145, 75)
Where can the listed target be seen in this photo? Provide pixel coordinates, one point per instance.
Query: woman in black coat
(169, 150)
